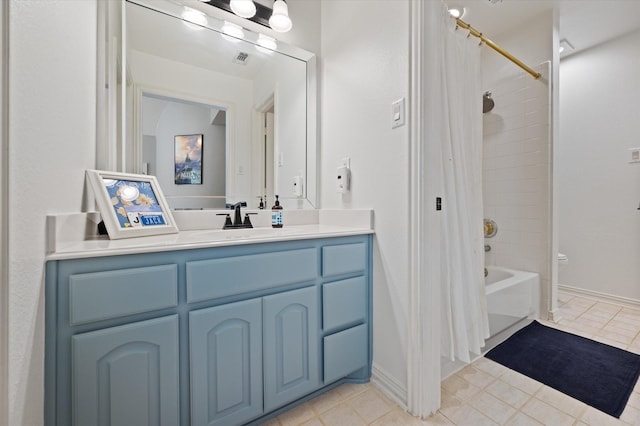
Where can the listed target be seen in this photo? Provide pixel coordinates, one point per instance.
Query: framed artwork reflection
(188, 159)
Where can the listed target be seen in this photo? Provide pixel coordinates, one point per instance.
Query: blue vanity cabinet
(225, 348)
(346, 311)
(205, 336)
(291, 346)
(126, 375)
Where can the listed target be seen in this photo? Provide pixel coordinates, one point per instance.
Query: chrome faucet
(237, 217)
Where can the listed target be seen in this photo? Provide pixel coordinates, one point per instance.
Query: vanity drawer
(345, 352)
(211, 279)
(344, 303)
(102, 295)
(344, 259)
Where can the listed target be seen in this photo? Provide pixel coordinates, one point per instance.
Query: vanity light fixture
(277, 18)
(243, 8)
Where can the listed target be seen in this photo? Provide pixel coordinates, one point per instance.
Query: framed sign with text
(131, 205)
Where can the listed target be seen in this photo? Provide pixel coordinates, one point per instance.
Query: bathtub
(512, 296)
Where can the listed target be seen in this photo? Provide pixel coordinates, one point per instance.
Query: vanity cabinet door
(291, 346)
(127, 375)
(225, 346)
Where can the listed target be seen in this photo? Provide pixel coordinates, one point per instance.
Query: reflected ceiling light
(456, 12)
(243, 8)
(565, 47)
(232, 30)
(267, 42)
(194, 16)
(280, 20)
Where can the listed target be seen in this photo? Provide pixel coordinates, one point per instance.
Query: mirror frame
(112, 152)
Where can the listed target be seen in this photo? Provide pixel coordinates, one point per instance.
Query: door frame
(4, 214)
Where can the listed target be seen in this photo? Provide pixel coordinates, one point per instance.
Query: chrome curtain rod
(497, 48)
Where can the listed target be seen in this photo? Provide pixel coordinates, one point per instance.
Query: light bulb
(456, 12)
(243, 8)
(280, 20)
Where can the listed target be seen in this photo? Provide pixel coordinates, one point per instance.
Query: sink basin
(245, 233)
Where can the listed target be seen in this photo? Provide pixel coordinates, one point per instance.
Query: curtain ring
(469, 34)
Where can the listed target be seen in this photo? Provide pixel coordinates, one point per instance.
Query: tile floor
(486, 393)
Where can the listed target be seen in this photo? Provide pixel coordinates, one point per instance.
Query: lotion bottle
(276, 214)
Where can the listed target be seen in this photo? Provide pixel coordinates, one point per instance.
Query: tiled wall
(516, 170)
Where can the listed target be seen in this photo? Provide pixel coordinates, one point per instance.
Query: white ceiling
(585, 23)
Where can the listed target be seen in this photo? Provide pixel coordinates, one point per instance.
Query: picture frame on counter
(131, 205)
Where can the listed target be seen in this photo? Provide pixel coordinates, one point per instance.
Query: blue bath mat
(597, 374)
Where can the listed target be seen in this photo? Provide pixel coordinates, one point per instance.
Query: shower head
(487, 102)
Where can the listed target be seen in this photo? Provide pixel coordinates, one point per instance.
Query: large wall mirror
(216, 112)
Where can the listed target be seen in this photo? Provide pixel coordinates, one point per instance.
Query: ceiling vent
(241, 58)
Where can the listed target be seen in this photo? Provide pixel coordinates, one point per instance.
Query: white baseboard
(389, 386)
(554, 316)
(601, 297)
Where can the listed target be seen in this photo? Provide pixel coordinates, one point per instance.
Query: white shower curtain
(464, 312)
(448, 313)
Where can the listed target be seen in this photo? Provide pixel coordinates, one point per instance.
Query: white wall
(517, 152)
(599, 191)
(52, 100)
(365, 67)
(4, 189)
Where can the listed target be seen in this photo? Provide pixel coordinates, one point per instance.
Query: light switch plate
(398, 113)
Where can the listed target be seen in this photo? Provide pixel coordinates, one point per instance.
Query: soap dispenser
(276, 214)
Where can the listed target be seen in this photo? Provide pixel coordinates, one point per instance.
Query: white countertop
(69, 238)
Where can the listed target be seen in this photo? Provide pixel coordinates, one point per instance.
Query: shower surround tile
(516, 167)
